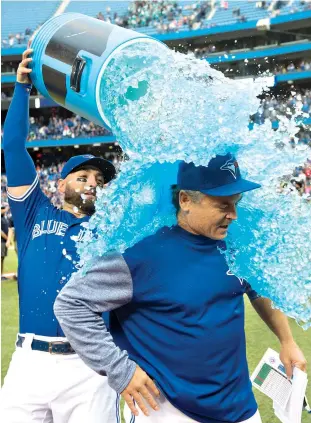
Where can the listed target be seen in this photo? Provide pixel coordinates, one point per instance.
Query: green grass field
(259, 338)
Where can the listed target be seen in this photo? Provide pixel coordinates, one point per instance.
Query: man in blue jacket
(178, 319)
(47, 381)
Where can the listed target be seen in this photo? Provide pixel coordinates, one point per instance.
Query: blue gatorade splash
(163, 107)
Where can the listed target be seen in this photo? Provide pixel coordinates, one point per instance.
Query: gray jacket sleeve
(78, 308)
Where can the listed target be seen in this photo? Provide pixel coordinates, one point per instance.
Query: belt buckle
(51, 343)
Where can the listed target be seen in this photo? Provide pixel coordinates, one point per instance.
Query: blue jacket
(178, 313)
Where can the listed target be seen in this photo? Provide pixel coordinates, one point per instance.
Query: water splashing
(164, 107)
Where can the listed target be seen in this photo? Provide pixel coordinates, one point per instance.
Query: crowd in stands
(48, 178)
(58, 128)
(273, 8)
(164, 16)
(295, 6)
(300, 66)
(169, 16)
(21, 38)
(273, 108)
(299, 181)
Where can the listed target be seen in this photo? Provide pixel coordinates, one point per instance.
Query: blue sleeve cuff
(251, 293)
(26, 88)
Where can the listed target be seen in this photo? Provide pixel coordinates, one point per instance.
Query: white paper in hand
(293, 410)
(270, 378)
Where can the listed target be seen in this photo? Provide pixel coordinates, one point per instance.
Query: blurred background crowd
(172, 16)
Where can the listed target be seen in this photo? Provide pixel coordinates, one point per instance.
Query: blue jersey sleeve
(249, 291)
(24, 211)
(20, 168)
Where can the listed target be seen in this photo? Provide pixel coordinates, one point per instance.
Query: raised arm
(20, 168)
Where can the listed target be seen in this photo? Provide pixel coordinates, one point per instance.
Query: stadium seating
(35, 13)
(225, 16)
(19, 15)
(92, 8)
(292, 6)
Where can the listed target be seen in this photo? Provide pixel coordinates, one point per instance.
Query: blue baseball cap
(107, 168)
(221, 177)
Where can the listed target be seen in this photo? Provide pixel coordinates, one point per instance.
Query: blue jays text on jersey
(54, 227)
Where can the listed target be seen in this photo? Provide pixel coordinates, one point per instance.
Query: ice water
(163, 107)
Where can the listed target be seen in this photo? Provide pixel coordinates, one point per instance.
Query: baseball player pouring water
(46, 380)
(178, 350)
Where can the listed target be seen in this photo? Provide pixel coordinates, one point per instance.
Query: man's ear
(184, 201)
(61, 185)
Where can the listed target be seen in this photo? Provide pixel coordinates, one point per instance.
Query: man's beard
(74, 198)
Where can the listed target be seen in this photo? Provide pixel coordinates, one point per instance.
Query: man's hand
(292, 356)
(140, 388)
(23, 70)
(8, 243)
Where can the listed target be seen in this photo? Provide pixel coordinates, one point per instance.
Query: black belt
(53, 347)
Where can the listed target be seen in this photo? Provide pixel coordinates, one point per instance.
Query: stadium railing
(235, 56)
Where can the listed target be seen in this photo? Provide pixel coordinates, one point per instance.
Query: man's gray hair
(196, 196)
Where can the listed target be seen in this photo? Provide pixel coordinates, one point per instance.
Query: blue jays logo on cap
(221, 177)
(231, 166)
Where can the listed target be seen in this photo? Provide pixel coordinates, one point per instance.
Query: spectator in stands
(279, 4)
(11, 40)
(236, 11)
(261, 4)
(299, 181)
(291, 67)
(6, 236)
(298, 185)
(242, 19)
(295, 104)
(100, 16)
(307, 171)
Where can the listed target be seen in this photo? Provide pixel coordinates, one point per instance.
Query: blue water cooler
(71, 53)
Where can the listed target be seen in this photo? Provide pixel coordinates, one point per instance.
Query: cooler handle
(76, 74)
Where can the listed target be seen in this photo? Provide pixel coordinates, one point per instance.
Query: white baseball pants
(45, 388)
(169, 414)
